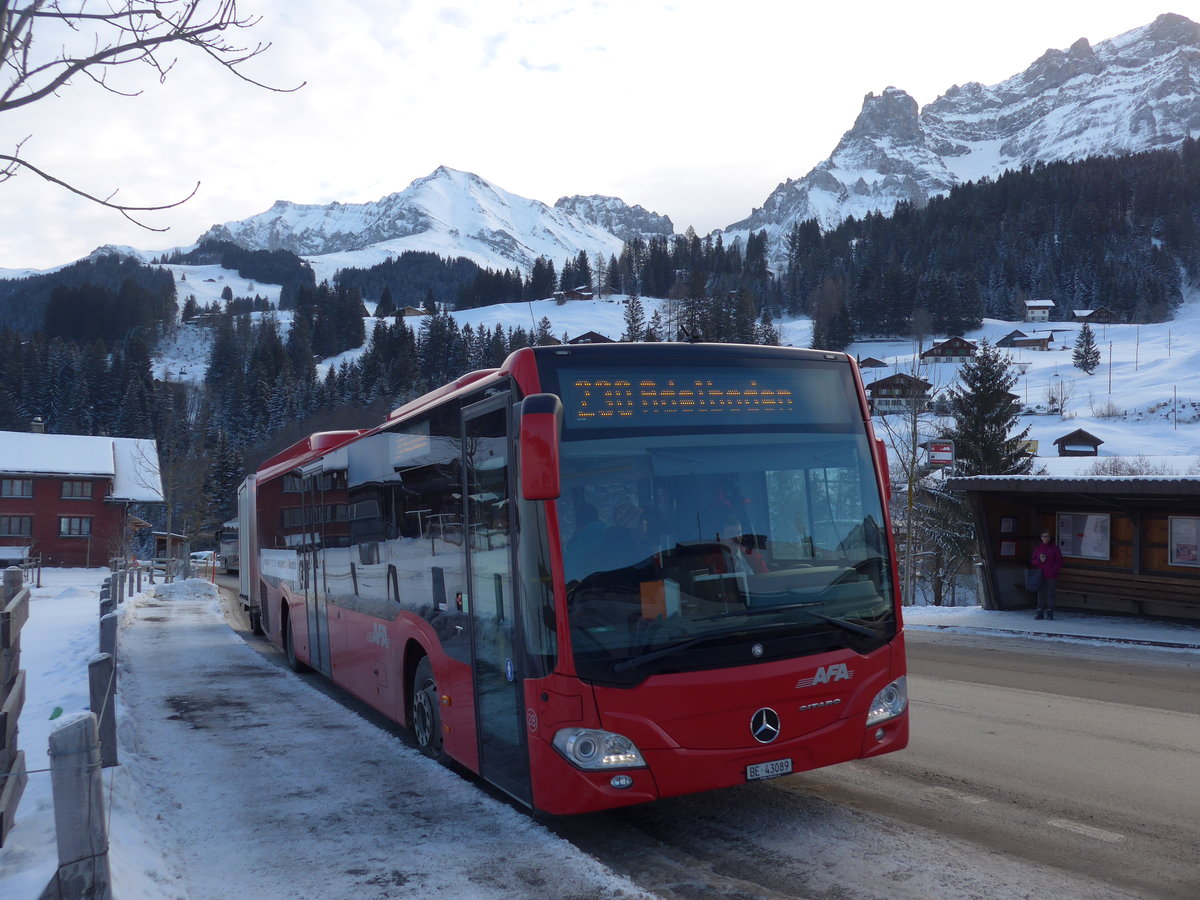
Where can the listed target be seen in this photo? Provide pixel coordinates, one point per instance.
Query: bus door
(314, 582)
(495, 654)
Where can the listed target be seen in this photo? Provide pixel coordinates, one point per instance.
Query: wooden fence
(14, 611)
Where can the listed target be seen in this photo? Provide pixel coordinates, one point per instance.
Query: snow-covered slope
(1139, 91)
(448, 212)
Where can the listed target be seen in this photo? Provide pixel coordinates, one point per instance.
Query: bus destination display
(673, 396)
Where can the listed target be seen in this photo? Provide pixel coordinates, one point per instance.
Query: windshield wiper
(844, 624)
(651, 655)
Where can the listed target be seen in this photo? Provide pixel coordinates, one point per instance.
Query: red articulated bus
(600, 574)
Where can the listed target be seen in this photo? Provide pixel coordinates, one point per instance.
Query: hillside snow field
(1143, 400)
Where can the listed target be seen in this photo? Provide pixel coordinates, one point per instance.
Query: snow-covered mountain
(616, 216)
(1139, 91)
(451, 213)
(1134, 92)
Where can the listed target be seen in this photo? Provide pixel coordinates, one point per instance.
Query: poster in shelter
(1185, 541)
(1084, 535)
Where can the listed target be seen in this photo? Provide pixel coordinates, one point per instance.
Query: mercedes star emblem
(764, 725)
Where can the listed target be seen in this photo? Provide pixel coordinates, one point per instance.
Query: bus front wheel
(289, 647)
(426, 718)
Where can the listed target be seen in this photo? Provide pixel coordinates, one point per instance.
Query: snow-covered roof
(1094, 484)
(131, 463)
(1039, 304)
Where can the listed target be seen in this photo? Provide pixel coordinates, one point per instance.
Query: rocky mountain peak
(892, 114)
(1137, 91)
(616, 216)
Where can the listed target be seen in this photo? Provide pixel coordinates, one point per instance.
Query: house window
(16, 487)
(74, 526)
(295, 516)
(16, 526)
(77, 490)
(293, 484)
(332, 481)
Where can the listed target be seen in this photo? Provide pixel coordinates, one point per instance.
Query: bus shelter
(1130, 544)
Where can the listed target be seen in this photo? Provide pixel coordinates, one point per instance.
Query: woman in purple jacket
(1048, 558)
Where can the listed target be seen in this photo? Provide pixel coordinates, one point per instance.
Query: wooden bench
(1150, 595)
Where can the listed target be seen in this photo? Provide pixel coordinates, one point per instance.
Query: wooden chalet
(1040, 344)
(1038, 310)
(872, 363)
(951, 350)
(1078, 443)
(591, 337)
(898, 393)
(1007, 340)
(575, 293)
(1101, 315)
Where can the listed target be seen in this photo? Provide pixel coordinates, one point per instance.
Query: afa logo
(826, 674)
(379, 635)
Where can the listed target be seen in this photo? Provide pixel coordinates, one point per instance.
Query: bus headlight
(890, 702)
(591, 748)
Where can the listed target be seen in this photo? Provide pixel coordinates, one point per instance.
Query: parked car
(203, 559)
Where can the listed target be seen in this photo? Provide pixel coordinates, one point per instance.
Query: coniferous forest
(1115, 232)
(1118, 232)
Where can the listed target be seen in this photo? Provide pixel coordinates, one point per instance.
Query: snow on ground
(281, 788)
(1066, 626)
(272, 784)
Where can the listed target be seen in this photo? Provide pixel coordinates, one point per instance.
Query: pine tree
(1087, 354)
(635, 320)
(655, 330)
(985, 413)
(831, 319)
(386, 305)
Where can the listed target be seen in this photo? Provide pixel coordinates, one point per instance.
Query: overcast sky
(691, 108)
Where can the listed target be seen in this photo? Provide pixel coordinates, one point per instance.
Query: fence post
(13, 579)
(75, 781)
(14, 612)
(108, 634)
(102, 687)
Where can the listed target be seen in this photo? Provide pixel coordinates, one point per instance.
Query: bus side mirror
(541, 423)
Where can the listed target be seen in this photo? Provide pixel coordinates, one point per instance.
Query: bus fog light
(620, 782)
(593, 749)
(880, 734)
(889, 703)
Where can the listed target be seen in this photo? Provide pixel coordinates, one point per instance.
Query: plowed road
(1036, 768)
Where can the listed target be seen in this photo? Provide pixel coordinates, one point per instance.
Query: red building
(67, 497)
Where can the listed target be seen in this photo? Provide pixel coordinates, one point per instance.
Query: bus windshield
(693, 549)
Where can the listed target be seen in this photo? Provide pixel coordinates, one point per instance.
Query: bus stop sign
(941, 453)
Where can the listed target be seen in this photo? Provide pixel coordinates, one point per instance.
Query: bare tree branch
(122, 32)
(13, 162)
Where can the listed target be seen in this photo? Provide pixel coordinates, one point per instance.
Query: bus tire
(256, 625)
(289, 647)
(426, 716)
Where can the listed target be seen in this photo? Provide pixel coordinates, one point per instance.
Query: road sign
(941, 453)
